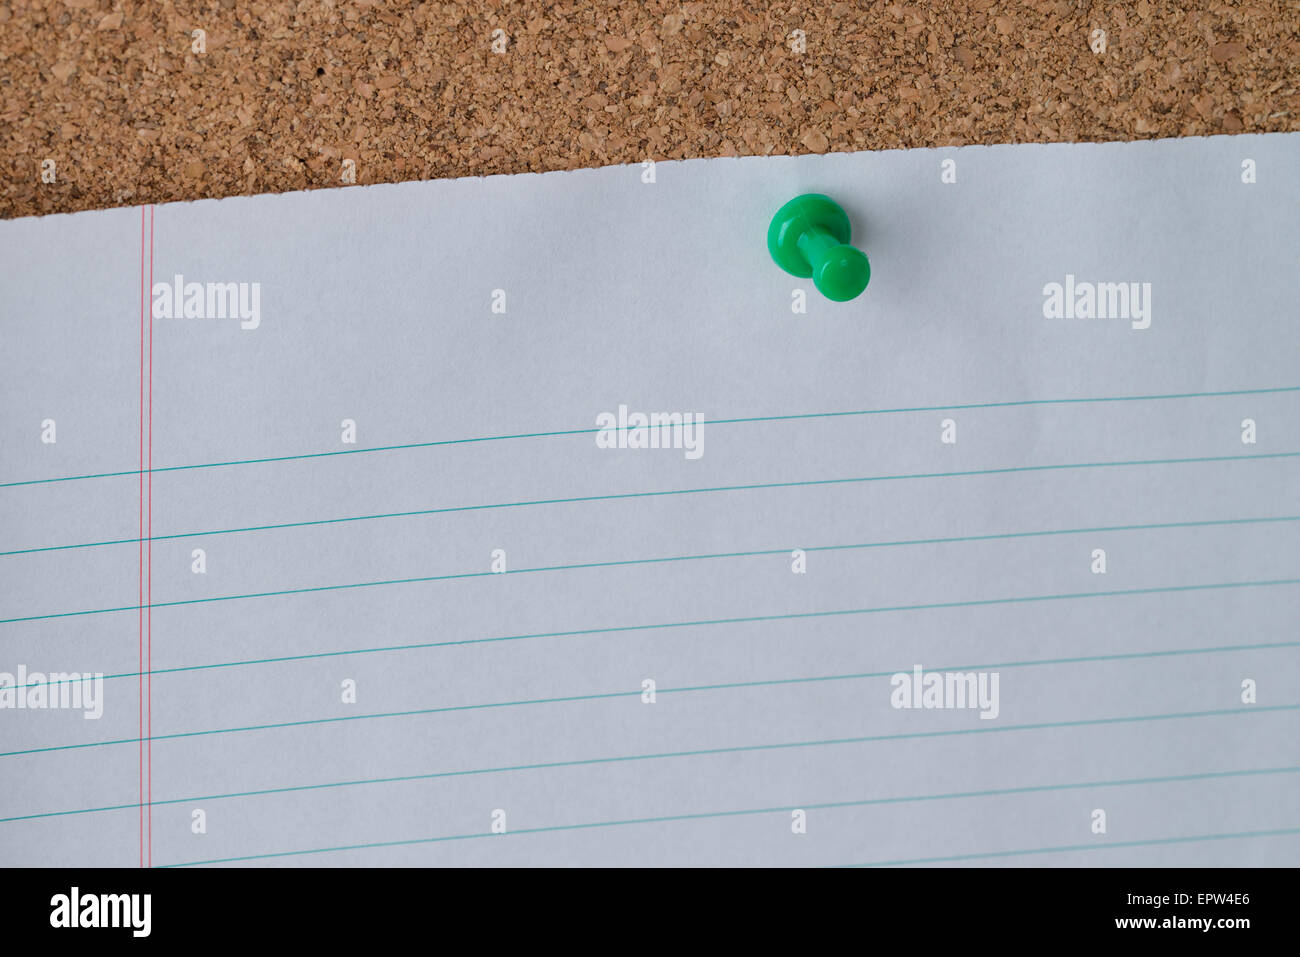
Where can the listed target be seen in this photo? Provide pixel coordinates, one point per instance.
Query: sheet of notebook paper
(997, 564)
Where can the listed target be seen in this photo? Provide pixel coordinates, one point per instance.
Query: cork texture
(108, 103)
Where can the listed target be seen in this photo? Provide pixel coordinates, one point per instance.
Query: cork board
(108, 103)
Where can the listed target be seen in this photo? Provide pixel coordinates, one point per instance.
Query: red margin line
(149, 586)
(140, 637)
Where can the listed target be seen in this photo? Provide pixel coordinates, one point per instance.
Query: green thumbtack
(809, 236)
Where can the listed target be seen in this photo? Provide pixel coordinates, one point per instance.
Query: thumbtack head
(809, 236)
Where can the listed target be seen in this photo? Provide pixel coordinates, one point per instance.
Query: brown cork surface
(282, 93)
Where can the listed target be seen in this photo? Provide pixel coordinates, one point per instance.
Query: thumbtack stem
(815, 242)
